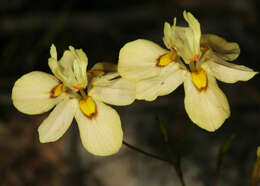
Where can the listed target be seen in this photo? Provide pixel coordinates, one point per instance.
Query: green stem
(146, 153)
(171, 162)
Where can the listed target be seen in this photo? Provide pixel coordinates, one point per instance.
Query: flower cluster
(145, 71)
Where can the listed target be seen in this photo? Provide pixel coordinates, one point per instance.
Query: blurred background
(101, 28)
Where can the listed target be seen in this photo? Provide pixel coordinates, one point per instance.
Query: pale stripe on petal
(59, 120)
(170, 78)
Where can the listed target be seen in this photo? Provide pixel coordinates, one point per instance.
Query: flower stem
(145, 153)
(177, 168)
(174, 157)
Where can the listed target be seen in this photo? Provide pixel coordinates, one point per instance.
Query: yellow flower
(158, 72)
(99, 124)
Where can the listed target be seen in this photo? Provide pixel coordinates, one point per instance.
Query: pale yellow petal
(105, 66)
(71, 68)
(167, 38)
(226, 50)
(53, 51)
(228, 72)
(137, 60)
(207, 108)
(59, 120)
(170, 78)
(101, 135)
(186, 40)
(112, 89)
(31, 93)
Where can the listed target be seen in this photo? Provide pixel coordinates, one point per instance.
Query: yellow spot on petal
(78, 87)
(88, 107)
(199, 79)
(195, 58)
(56, 91)
(165, 59)
(95, 73)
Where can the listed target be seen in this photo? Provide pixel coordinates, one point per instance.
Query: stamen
(199, 79)
(88, 107)
(95, 73)
(56, 91)
(78, 87)
(165, 59)
(195, 58)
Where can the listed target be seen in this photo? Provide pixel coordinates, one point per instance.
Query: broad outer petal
(137, 60)
(101, 135)
(31, 93)
(226, 50)
(207, 108)
(112, 89)
(170, 78)
(59, 120)
(228, 72)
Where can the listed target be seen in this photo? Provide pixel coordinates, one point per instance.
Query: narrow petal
(101, 135)
(167, 38)
(226, 50)
(228, 72)
(112, 89)
(59, 120)
(137, 60)
(31, 93)
(53, 51)
(207, 108)
(170, 78)
(186, 40)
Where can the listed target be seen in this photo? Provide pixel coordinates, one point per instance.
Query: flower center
(58, 90)
(199, 79)
(167, 58)
(195, 58)
(88, 107)
(78, 87)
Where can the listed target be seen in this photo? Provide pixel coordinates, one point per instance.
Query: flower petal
(104, 66)
(207, 108)
(228, 72)
(226, 50)
(71, 68)
(31, 93)
(137, 60)
(112, 89)
(101, 135)
(185, 40)
(169, 79)
(59, 120)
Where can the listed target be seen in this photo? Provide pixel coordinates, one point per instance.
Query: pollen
(78, 87)
(88, 107)
(58, 90)
(199, 79)
(165, 59)
(195, 58)
(95, 73)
